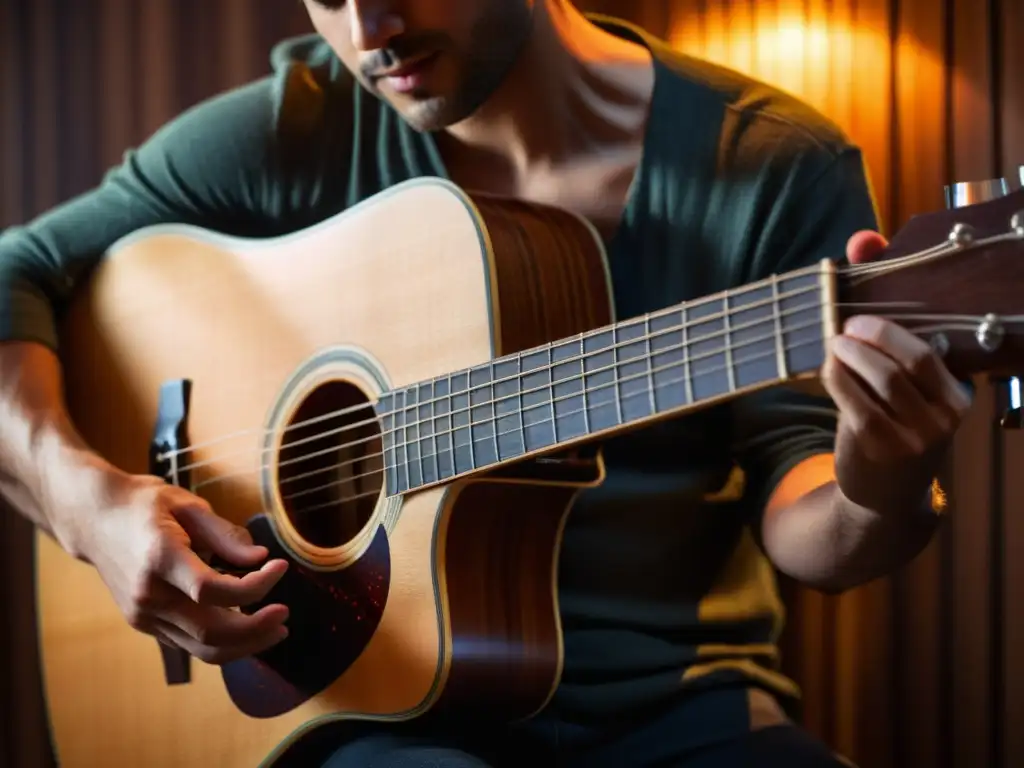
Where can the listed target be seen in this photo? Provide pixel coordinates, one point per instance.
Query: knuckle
(145, 595)
(922, 363)
(869, 423)
(136, 618)
(833, 378)
(916, 444)
(878, 332)
(891, 383)
(201, 589)
(945, 423)
(159, 554)
(961, 405)
(239, 534)
(204, 635)
(210, 655)
(948, 419)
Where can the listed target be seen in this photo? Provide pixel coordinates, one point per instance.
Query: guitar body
(400, 605)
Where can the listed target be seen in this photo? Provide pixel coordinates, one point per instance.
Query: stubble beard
(498, 39)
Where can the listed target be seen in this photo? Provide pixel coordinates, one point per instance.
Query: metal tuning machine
(1013, 417)
(961, 194)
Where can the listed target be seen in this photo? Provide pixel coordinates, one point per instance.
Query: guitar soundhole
(330, 467)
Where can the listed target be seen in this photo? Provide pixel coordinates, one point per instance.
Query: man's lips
(409, 76)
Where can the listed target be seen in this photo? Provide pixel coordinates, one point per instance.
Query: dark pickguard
(332, 618)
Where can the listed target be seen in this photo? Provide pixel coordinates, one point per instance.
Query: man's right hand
(143, 535)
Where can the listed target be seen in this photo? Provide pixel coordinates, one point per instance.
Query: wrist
(71, 479)
(909, 505)
(889, 488)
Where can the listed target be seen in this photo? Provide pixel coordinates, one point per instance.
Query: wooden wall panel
(1010, 28)
(917, 670)
(919, 171)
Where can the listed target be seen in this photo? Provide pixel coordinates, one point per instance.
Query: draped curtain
(919, 669)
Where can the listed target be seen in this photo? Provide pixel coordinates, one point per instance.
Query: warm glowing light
(791, 53)
(815, 50)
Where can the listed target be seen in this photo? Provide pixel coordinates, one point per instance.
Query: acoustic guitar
(403, 401)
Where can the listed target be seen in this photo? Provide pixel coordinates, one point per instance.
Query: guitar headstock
(956, 279)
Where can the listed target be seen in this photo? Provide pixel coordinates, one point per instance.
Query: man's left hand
(899, 406)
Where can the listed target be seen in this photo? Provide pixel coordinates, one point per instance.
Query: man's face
(434, 61)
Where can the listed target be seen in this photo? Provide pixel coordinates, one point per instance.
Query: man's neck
(575, 89)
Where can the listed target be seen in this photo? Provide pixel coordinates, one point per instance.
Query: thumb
(865, 246)
(211, 532)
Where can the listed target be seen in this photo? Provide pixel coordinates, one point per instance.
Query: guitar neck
(609, 380)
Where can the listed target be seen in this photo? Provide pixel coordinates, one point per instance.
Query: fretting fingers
(876, 432)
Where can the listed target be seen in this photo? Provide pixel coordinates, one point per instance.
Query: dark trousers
(712, 730)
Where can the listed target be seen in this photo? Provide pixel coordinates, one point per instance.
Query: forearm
(816, 535)
(38, 442)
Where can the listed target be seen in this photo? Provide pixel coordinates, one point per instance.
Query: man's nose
(374, 23)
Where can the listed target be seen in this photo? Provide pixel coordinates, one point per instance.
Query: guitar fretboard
(602, 381)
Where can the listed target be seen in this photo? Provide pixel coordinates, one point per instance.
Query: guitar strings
(547, 404)
(687, 307)
(577, 358)
(453, 433)
(867, 271)
(686, 344)
(379, 472)
(456, 445)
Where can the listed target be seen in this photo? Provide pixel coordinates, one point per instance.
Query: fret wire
(551, 391)
(730, 369)
(615, 375)
(451, 422)
(519, 394)
(419, 438)
(423, 460)
(583, 389)
(673, 380)
(415, 466)
(494, 415)
(684, 315)
(469, 427)
(683, 309)
(780, 341)
(433, 427)
(688, 359)
(405, 442)
(650, 362)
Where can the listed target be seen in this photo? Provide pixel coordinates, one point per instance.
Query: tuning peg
(1013, 418)
(960, 195)
(965, 193)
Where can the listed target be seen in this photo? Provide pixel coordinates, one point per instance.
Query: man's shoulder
(292, 103)
(308, 82)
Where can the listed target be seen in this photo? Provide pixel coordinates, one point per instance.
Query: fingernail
(856, 324)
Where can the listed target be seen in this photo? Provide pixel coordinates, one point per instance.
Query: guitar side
(417, 282)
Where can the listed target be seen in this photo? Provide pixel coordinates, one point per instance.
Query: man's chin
(428, 114)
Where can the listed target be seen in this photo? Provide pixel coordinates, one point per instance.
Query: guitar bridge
(168, 460)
